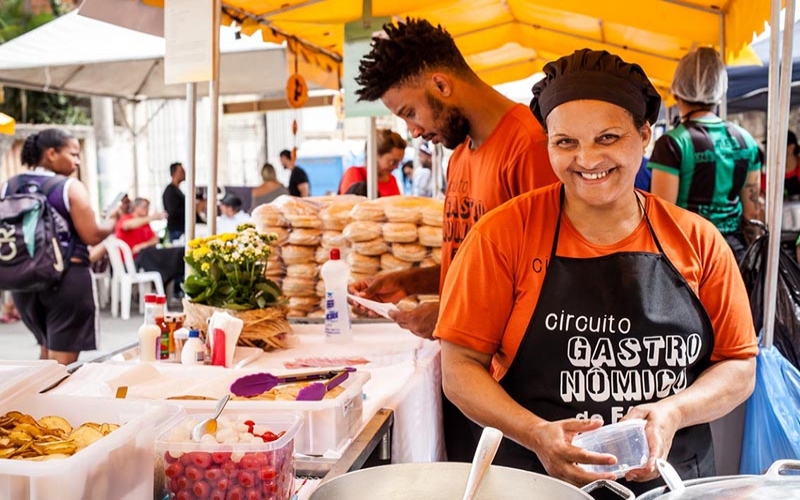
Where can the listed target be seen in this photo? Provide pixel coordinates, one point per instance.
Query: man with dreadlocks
(500, 151)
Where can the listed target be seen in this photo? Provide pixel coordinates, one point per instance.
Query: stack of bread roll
(387, 234)
(393, 234)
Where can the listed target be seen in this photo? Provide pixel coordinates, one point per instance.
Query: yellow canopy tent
(7, 124)
(506, 40)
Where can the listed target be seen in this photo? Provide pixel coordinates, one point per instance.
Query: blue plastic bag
(772, 414)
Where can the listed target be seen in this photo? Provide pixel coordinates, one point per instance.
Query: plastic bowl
(625, 440)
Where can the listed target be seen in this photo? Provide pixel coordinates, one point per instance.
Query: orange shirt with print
(490, 295)
(513, 160)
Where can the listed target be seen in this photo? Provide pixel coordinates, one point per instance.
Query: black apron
(609, 333)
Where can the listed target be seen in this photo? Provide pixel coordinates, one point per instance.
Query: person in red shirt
(134, 228)
(391, 149)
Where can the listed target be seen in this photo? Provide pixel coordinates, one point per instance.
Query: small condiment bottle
(194, 350)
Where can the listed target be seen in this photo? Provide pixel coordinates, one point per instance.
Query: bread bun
(355, 277)
(299, 287)
(409, 252)
(292, 205)
(320, 290)
(306, 304)
(433, 213)
(373, 247)
(391, 263)
(295, 313)
(362, 231)
(405, 208)
(309, 271)
(316, 313)
(267, 215)
(302, 220)
(436, 254)
(334, 239)
(428, 262)
(363, 264)
(303, 236)
(370, 210)
(430, 236)
(336, 215)
(322, 255)
(281, 232)
(297, 254)
(399, 232)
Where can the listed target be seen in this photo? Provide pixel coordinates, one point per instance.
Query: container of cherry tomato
(250, 457)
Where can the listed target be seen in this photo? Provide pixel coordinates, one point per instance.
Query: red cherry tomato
(268, 473)
(218, 495)
(201, 489)
(201, 459)
(252, 494)
(246, 478)
(220, 457)
(184, 495)
(222, 484)
(249, 462)
(213, 473)
(169, 458)
(174, 469)
(180, 483)
(193, 473)
(235, 493)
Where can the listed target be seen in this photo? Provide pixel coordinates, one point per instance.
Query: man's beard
(455, 126)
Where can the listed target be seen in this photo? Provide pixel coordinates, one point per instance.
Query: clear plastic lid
(18, 378)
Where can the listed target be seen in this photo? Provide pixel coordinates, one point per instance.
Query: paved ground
(16, 342)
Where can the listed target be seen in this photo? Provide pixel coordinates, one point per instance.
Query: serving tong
(259, 383)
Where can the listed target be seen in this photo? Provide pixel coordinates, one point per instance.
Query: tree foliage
(32, 106)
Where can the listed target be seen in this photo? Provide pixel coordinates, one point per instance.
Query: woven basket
(264, 328)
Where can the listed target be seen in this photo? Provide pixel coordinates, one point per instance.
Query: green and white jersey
(712, 159)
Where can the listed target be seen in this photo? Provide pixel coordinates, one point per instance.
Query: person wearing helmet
(590, 302)
(705, 164)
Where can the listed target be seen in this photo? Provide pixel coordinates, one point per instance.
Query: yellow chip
(34, 430)
(20, 437)
(55, 423)
(84, 436)
(56, 448)
(43, 458)
(7, 452)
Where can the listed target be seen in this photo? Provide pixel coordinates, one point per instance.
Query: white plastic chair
(125, 275)
(102, 287)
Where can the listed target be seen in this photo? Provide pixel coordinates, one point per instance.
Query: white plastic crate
(117, 466)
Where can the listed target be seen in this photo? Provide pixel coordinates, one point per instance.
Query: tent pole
(372, 158)
(135, 130)
(778, 117)
(189, 163)
(213, 94)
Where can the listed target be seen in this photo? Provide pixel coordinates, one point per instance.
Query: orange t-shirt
(490, 295)
(513, 160)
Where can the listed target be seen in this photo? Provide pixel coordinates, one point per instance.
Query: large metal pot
(781, 482)
(446, 480)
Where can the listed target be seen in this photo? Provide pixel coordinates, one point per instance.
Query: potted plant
(228, 273)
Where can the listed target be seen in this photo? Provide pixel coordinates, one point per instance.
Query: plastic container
(194, 350)
(335, 274)
(625, 440)
(258, 470)
(327, 424)
(117, 466)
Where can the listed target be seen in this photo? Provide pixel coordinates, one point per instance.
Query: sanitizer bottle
(337, 311)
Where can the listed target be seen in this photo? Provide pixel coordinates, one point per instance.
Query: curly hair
(405, 52)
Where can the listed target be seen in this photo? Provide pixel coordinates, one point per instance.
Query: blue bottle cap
(194, 334)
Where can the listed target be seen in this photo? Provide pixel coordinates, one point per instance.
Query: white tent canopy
(79, 55)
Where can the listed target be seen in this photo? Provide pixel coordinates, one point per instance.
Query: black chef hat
(597, 75)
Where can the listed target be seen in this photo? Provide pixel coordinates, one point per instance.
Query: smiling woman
(640, 313)
(391, 149)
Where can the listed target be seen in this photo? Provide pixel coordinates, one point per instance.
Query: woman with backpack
(61, 317)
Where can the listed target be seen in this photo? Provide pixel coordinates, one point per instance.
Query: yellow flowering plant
(228, 270)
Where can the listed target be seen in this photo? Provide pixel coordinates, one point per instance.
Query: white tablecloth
(405, 377)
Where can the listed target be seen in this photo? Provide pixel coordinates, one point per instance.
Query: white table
(405, 377)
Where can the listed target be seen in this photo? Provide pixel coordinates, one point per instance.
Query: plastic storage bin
(625, 440)
(117, 466)
(257, 470)
(327, 424)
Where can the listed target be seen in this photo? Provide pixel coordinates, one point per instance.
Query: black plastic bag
(787, 309)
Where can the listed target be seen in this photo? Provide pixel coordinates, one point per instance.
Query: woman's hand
(553, 445)
(662, 423)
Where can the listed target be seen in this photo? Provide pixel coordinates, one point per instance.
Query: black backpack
(35, 240)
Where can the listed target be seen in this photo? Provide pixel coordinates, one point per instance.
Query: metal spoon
(484, 454)
(670, 476)
(209, 425)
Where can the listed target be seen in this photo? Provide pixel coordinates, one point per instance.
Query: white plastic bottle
(194, 350)
(149, 332)
(337, 311)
